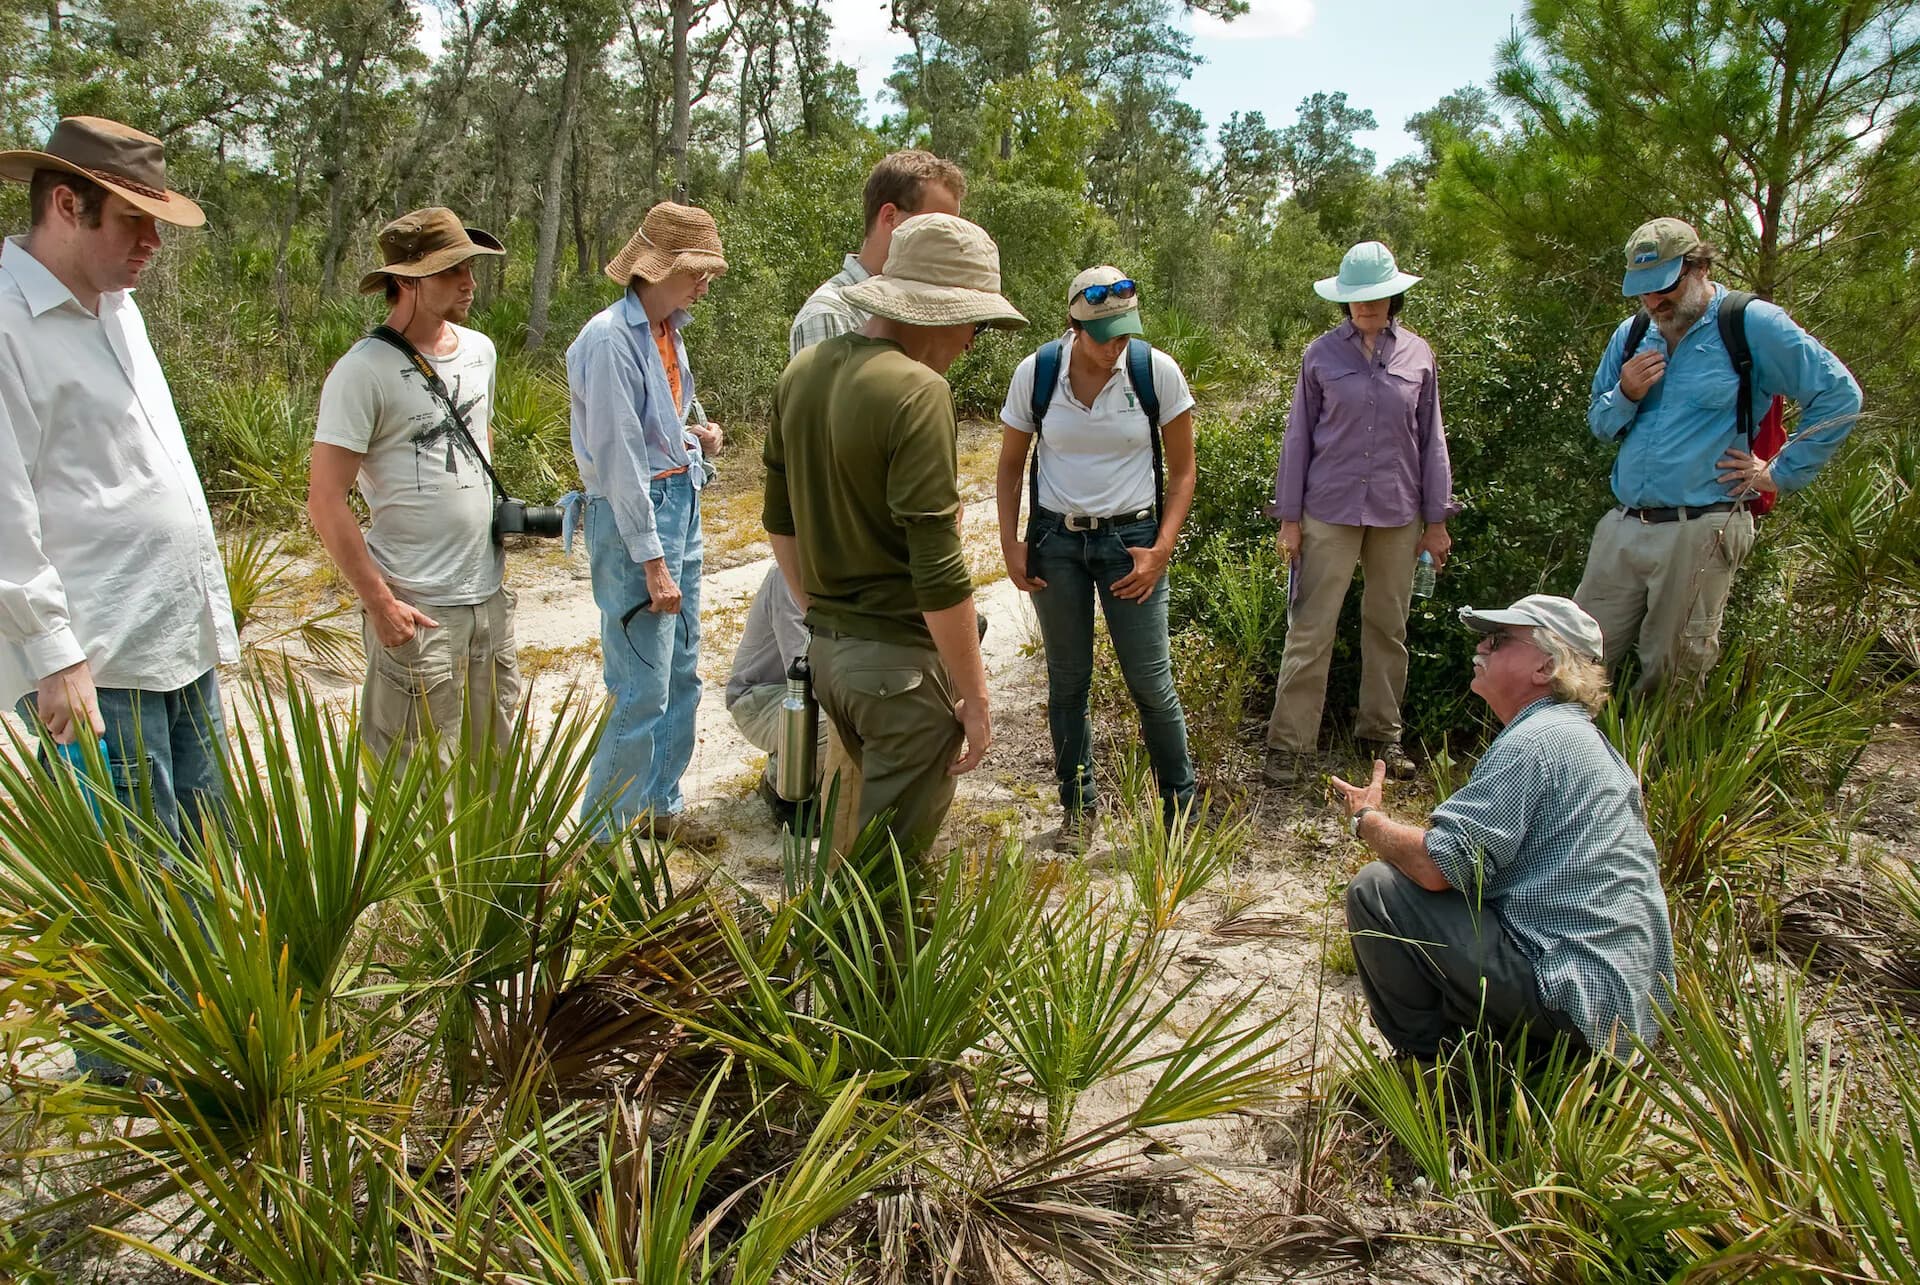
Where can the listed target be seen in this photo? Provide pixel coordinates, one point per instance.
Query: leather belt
(1681, 513)
(1082, 522)
(672, 472)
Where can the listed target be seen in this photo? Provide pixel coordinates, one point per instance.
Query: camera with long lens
(517, 517)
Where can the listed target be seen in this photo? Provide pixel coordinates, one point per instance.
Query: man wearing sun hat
(1532, 896)
(113, 598)
(1662, 562)
(861, 494)
(642, 465)
(437, 618)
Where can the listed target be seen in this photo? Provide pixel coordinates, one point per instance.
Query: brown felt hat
(425, 242)
(671, 238)
(117, 157)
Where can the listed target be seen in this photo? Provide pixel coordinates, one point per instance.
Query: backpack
(1763, 440)
(1046, 377)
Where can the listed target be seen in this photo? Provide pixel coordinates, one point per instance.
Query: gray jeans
(1434, 966)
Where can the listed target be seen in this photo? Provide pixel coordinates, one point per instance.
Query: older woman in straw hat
(1363, 479)
(860, 505)
(1108, 419)
(642, 466)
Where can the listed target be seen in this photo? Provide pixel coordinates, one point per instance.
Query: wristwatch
(1354, 824)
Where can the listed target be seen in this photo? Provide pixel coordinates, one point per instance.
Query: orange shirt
(663, 340)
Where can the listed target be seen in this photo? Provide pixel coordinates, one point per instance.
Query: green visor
(1101, 329)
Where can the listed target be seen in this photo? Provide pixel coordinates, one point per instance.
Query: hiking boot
(683, 830)
(1399, 766)
(786, 815)
(1075, 833)
(1288, 767)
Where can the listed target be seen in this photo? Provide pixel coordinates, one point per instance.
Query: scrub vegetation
(408, 1024)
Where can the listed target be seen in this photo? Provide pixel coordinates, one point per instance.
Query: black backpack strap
(1636, 334)
(1046, 377)
(1733, 333)
(1140, 375)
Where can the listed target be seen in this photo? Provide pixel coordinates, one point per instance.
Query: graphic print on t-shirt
(437, 434)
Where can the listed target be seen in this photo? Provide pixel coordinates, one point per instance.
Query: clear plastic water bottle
(1423, 576)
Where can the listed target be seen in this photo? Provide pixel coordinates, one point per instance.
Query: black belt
(1683, 512)
(1085, 522)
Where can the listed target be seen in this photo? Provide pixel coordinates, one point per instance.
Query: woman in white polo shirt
(1107, 497)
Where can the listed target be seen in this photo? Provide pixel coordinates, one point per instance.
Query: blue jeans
(1076, 565)
(165, 744)
(649, 660)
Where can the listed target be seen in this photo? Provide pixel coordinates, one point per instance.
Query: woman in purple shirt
(1363, 480)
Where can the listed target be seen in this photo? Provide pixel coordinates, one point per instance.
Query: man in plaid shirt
(902, 185)
(1532, 898)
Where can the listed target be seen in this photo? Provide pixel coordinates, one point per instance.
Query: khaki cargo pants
(892, 709)
(1664, 587)
(465, 672)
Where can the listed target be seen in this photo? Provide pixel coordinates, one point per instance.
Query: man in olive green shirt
(861, 475)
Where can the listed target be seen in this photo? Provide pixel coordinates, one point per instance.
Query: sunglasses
(981, 328)
(1097, 295)
(1496, 641)
(1661, 294)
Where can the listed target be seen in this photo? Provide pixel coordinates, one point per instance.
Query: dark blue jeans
(169, 743)
(1077, 565)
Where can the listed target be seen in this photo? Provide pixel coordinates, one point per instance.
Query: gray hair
(1577, 679)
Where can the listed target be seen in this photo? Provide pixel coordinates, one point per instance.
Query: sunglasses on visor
(1097, 295)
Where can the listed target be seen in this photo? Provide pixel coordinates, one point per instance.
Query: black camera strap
(438, 387)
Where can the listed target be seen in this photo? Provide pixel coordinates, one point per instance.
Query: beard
(1688, 306)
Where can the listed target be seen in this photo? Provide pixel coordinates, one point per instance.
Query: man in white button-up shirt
(113, 598)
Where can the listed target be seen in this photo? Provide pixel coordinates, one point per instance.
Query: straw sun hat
(117, 157)
(670, 239)
(941, 271)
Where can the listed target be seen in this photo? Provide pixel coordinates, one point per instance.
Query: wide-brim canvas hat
(941, 271)
(118, 157)
(1563, 616)
(424, 242)
(1367, 272)
(671, 238)
(1656, 254)
(1112, 315)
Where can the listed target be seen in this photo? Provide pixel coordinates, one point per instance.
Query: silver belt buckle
(1081, 522)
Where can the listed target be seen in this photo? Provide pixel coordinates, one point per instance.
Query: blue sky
(1393, 57)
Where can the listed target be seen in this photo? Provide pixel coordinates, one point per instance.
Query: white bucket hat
(1367, 272)
(941, 271)
(1562, 616)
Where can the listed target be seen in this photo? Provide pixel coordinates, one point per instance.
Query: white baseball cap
(1565, 617)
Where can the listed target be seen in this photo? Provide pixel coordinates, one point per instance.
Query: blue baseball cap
(1656, 252)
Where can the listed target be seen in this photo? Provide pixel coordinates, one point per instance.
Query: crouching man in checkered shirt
(1533, 897)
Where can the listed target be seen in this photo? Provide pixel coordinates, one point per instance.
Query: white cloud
(1263, 20)
(862, 40)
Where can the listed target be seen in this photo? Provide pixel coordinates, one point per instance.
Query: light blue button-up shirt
(1550, 835)
(1676, 434)
(625, 425)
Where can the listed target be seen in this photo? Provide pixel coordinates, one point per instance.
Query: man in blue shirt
(642, 466)
(1662, 563)
(1532, 897)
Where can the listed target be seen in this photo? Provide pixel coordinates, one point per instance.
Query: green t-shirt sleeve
(776, 504)
(924, 497)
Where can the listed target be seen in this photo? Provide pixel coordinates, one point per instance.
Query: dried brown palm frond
(1295, 1239)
